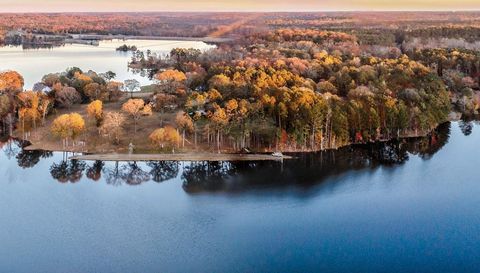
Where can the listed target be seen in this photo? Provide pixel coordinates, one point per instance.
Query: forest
(379, 28)
(297, 82)
(301, 90)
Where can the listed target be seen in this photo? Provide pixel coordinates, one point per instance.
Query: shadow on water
(307, 170)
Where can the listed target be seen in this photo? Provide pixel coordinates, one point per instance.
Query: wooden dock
(180, 157)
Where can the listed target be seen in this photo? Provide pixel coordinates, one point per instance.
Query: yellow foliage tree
(32, 106)
(60, 128)
(166, 136)
(68, 126)
(77, 125)
(95, 111)
(82, 77)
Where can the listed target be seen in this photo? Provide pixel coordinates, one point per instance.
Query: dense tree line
(300, 89)
(460, 71)
(370, 27)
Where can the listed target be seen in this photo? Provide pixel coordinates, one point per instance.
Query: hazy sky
(232, 5)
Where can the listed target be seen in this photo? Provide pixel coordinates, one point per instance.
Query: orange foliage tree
(11, 81)
(171, 79)
(134, 108)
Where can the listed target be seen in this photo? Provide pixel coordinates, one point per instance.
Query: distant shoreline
(37, 40)
(157, 38)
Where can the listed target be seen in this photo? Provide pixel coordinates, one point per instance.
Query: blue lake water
(33, 64)
(408, 207)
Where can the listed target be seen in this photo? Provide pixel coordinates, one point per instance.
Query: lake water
(33, 64)
(398, 207)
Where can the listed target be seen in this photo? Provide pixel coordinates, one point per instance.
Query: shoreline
(200, 155)
(39, 139)
(180, 157)
(93, 39)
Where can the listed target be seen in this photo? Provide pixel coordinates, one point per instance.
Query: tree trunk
(195, 129)
(183, 138)
(208, 136)
(10, 124)
(312, 145)
(134, 127)
(218, 141)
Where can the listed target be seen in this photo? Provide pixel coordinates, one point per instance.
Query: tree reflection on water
(132, 174)
(306, 170)
(68, 171)
(11, 147)
(28, 159)
(163, 170)
(466, 126)
(113, 176)
(94, 172)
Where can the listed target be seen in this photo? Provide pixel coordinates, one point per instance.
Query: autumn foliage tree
(185, 123)
(172, 80)
(114, 90)
(68, 126)
(95, 91)
(219, 119)
(67, 96)
(11, 82)
(30, 111)
(165, 137)
(112, 126)
(5, 107)
(134, 108)
(95, 111)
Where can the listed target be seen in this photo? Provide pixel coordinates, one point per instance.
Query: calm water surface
(408, 207)
(33, 64)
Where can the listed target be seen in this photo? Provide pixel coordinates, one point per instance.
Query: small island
(127, 48)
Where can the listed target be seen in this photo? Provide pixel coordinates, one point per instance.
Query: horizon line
(244, 11)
